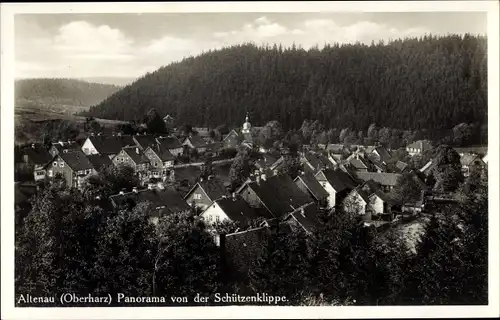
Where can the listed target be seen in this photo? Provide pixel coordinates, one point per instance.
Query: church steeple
(246, 126)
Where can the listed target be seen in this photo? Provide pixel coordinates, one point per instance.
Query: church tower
(246, 126)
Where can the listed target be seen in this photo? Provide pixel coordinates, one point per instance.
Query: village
(359, 179)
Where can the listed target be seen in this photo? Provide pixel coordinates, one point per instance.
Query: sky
(129, 45)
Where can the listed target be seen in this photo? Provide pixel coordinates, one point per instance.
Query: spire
(246, 118)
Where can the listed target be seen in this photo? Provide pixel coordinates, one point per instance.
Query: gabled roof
(111, 144)
(313, 186)
(76, 160)
(401, 166)
(169, 143)
(384, 154)
(37, 155)
(358, 163)
(339, 179)
(480, 150)
(100, 161)
(279, 194)
(384, 196)
(265, 161)
(335, 148)
(237, 209)
(306, 218)
(213, 188)
(317, 161)
(145, 141)
(65, 145)
(384, 178)
(169, 198)
(162, 153)
(468, 158)
(136, 155)
(196, 141)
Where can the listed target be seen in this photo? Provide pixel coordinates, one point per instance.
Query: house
(74, 167)
(134, 157)
(278, 194)
(306, 218)
(381, 154)
(357, 163)
(471, 162)
(429, 167)
(100, 162)
(59, 147)
(315, 161)
(195, 142)
(337, 184)
(386, 180)
(161, 160)
(172, 144)
(336, 151)
(310, 185)
(266, 161)
(374, 165)
(335, 159)
(107, 145)
(368, 200)
(401, 166)
(204, 193)
(144, 141)
(37, 157)
(229, 209)
(232, 140)
(167, 201)
(418, 147)
(479, 150)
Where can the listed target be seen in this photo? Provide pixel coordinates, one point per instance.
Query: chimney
(32, 146)
(210, 177)
(160, 185)
(257, 179)
(137, 150)
(150, 186)
(263, 177)
(201, 179)
(275, 172)
(134, 189)
(234, 196)
(121, 192)
(302, 212)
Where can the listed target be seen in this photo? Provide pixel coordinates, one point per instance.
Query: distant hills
(59, 96)
(416, 83)
(116, 81)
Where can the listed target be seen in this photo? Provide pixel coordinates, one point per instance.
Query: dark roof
(136, 155)
(169, 198)
(37, 155)
(401, 165)
(307, 217)
(339, 180)
(76, 160)
(214, 188)
(237, 209)
(384, 178)
(111, 144)
(468, 158)
(480, 150)
(69, 145)
(335, 148)
(197, 141)
(384, 154)
(384, 196)
(279, 194)
(313, 186)
(214, 146)
(265, 161)
(169, 143)
(145, 141)
(99, 161)
(190, 173)
(358, 163)
(318, 161)
(163, 153)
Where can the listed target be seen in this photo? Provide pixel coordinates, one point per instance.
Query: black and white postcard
(250, 160)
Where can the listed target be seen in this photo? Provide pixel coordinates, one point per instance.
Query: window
(50, 173)
(54, 164)
(197, 196)
(86, 150)
(61, 164)
(155, 164)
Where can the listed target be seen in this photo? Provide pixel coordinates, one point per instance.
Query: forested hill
(72, 93)
(430, 82)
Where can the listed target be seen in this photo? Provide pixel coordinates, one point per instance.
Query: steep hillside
(63, 96)
(427, 83)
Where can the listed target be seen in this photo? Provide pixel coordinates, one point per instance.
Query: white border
(7, 163)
